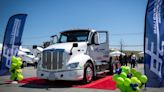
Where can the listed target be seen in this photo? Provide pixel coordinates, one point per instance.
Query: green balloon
(122, 88)
(137, 74)
(20, 77)
(123, 75)
(123, 67)
(143, 79)
(19, 59)
(137, 89)
(133, 70)
(129, 89)
(14, 64)
(139, 83)
(12, 73)
(120, 80)
(128, 67)
(18, 70)
(127, 82)
(134, 79)
(13, 59)
(12, 77)
(114, 77)
(118, 85)
(19, 63)
(127, 70)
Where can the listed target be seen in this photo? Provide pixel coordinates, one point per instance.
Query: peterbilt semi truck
(77, 54)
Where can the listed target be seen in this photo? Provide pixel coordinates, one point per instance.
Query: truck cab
(78, 54)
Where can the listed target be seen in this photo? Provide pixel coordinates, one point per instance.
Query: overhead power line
(126, 45)
(122, 34)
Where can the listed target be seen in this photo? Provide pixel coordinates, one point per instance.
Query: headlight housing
(73, 65)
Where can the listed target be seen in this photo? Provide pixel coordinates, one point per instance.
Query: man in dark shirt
(120, 59)
(125, 59)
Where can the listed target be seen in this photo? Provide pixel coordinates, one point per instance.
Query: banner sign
(154, 43)
(12, 41)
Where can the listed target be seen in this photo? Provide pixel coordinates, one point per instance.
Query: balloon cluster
(129, 80)
(15, 69)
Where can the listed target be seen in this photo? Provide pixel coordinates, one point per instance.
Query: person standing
(111, 65)
(116, 62)
(120, 59)
(125, 59)
(133, 61)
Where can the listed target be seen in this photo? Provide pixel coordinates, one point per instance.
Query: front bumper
(61, 75)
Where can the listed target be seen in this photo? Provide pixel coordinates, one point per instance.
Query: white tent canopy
(21, 53)
(141, 53)
(24, 49)
(116, 53)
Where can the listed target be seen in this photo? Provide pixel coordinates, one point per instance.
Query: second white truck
(78, 54)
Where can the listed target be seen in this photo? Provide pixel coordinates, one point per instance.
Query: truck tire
(88, 73)
(111, 68)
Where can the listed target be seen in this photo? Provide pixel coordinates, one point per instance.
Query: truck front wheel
(88, 73)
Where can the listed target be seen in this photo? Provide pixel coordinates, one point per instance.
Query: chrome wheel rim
(89, 73)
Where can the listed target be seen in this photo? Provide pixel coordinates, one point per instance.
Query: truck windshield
(73, 36)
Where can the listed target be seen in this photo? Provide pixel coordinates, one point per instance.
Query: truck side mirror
(96, 40)
(75, 45)
(54, 39)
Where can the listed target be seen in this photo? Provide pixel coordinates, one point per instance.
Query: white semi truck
(78, 54)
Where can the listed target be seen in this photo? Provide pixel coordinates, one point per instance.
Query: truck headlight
(73, 65)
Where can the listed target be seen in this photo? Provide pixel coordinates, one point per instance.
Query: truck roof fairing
(91, 30)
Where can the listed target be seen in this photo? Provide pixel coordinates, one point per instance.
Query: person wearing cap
(133, 60)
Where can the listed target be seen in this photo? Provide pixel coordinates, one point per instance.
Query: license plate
(52, 76)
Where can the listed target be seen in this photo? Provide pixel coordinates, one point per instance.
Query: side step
(102, 73)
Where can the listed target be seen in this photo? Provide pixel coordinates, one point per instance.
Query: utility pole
(121, 45)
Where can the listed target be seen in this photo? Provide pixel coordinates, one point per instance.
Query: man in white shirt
(133, 61)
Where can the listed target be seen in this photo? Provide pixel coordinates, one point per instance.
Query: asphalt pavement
(31, 72)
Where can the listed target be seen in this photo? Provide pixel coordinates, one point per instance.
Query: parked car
(37, 52)
(28, 58)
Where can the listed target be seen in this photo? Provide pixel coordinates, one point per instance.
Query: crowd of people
(124, 60)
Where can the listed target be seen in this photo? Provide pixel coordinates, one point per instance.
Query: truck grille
(53, 59)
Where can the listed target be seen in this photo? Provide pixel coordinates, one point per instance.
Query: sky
(124, 19)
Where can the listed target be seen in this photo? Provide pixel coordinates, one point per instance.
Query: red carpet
(105, 83)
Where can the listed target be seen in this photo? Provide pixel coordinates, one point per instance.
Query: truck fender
(82, 59)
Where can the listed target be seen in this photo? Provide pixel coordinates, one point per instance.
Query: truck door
(99, 50)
